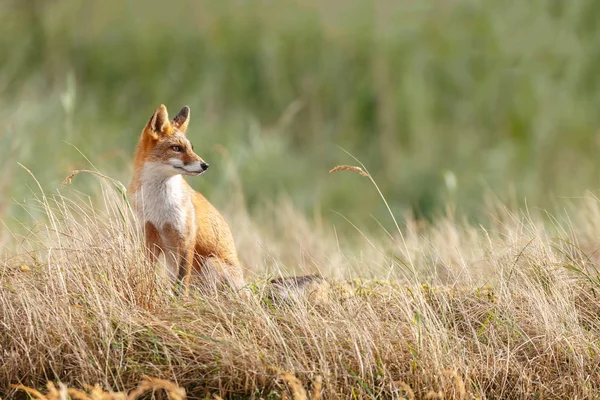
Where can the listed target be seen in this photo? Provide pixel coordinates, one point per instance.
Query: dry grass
(448, 310)
(351, 168)
(148, 385)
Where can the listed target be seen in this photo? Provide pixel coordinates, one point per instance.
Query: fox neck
(162, 199)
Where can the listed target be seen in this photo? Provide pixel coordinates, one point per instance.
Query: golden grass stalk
(458, 382)
(363, 168)
(316, 388)
(407, 389)
(148, 384)
(298, 391)
(351, 168)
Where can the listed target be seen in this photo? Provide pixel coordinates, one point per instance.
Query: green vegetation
(496, 96)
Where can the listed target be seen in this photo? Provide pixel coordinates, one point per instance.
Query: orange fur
(178, 221)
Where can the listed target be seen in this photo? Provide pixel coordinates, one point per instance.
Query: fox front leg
(186, 258)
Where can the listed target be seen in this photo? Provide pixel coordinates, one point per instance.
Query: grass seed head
(352, 168)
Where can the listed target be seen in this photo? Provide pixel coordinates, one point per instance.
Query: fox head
(165, 146)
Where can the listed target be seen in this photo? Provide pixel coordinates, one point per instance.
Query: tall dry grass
(444, 310)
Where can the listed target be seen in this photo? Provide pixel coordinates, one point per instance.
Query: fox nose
(204, 166)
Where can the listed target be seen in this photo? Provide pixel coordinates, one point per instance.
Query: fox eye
(176, 148)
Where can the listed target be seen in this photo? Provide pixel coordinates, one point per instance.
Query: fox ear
(182, 119)
(159, 123)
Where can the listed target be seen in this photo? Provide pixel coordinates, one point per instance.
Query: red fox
(178, 221)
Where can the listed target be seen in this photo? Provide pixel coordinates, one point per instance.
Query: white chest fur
(162, 199)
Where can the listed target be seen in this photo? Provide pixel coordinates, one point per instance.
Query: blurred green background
(444, 101)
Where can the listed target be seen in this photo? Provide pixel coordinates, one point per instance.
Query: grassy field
(446, 309)
(447, 279)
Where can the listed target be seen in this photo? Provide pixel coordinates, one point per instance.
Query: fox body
(178, 221)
